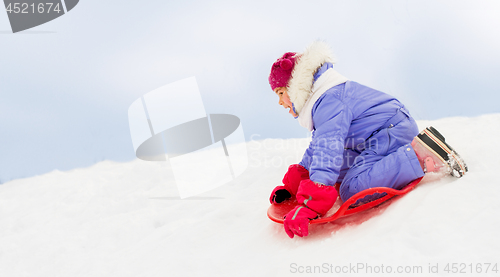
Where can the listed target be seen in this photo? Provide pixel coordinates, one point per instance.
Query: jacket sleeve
(332, 120)
(307, 157)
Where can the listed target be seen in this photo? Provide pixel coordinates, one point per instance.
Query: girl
(361, 138)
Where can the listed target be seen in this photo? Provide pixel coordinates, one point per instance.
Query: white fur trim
(300, 85)
(327, 80)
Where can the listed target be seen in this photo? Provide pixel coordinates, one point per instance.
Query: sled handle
(345, 209)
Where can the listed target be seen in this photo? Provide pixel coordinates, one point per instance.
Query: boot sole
(462, 166)
(434, 141)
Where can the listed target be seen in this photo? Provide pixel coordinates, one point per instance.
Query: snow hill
(125, 219)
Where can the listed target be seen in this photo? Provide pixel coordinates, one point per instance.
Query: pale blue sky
(64, 92)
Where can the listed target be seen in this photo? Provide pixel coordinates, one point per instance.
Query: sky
(66, 86)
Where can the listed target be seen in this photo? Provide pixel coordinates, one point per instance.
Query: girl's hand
(279, 195)
(295, 174)
(297, 221)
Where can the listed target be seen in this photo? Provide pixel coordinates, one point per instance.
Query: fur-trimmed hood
(300, 85)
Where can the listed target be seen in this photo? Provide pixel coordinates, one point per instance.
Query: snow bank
(126, 219)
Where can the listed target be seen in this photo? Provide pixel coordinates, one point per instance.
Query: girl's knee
(348, 188)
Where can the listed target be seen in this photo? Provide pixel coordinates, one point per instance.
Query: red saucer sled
(276, 212)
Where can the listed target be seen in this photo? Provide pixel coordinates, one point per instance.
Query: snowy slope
(124, 219)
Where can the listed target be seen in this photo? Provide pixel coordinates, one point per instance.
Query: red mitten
(317, 197)
(279, 194)
(295, 174)
(291, 181)
(297, 221)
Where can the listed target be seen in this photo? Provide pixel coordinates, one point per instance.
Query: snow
(126, 219)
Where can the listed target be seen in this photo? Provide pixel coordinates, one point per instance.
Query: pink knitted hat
(281, 71)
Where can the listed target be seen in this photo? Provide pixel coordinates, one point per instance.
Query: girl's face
(285, 100)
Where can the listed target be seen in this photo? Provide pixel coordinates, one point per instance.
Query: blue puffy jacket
(353, 126)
